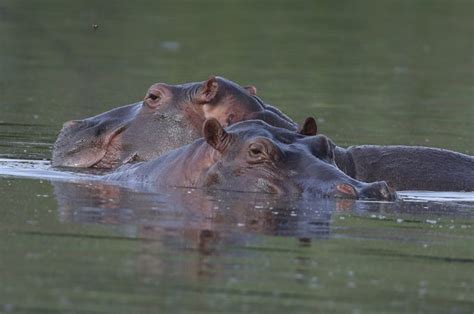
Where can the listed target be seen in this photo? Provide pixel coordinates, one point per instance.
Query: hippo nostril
(379, 191)
(384, 191)
(387, 192)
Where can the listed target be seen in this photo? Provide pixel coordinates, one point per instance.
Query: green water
(382, 72)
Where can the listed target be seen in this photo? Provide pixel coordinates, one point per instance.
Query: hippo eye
(256, 150)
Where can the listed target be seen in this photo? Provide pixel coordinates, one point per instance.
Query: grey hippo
(253, 156)
(171, 116)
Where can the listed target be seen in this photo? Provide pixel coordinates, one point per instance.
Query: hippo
(169, 116)
(402, 167)
(408, 167)
(253, 156)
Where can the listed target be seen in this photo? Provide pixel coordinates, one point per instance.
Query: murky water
(384, 72)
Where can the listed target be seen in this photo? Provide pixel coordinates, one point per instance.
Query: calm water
(383, 72)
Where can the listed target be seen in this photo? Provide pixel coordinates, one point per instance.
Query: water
(391, 72)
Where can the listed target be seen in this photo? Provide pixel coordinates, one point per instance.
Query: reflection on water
(77, 244)
(382, 72)
(421, 196)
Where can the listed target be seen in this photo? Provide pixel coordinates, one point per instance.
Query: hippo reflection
(207, 222)
(252, 156)
(196, 210)
(170, 116)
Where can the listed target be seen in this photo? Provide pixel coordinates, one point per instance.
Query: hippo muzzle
(378, 191)
(86, 143)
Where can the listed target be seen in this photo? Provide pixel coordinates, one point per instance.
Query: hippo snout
(378, 191)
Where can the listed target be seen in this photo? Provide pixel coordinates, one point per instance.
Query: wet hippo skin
(408, 167)
(169, 116)
(252, 156)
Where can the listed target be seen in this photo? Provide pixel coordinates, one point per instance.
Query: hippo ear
(207, 92)
(309, 127)
(252, 90)
(215, 134)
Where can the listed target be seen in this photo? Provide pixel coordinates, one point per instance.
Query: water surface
(371, 72)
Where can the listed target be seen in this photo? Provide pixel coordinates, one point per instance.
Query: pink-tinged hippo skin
(408, 167)
(402, 167)
(169, 116)
(252, 156)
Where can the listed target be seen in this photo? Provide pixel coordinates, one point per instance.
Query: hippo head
(256, 157)
(170, 116)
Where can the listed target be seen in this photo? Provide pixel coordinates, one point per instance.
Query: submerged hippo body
(408, 167)
(170, 116)
(252, 156)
